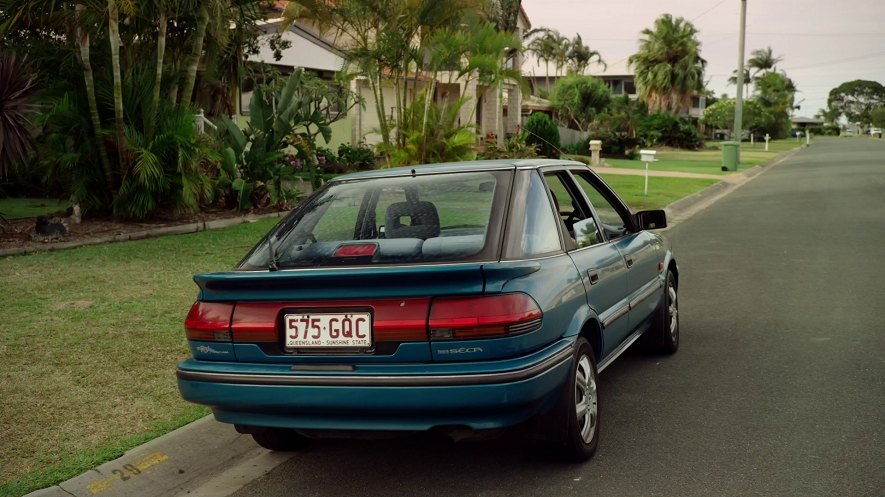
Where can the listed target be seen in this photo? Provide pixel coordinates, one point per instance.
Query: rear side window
(540, 235)
(413, 219)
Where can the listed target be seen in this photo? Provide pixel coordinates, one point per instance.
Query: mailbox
(648, 155)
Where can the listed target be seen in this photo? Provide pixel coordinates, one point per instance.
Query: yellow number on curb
(128, 470)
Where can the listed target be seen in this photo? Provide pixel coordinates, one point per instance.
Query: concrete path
(663, 174)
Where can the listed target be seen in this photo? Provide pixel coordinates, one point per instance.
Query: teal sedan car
(456, 297)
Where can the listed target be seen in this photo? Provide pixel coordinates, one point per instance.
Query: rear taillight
(208, 321)
(483, 317)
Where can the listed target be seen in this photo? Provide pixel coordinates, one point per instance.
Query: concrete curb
(686, 207)
(178, 229)
(177, 461)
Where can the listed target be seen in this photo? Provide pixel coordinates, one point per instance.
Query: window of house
(630, 87)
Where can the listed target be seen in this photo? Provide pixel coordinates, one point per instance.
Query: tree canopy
(578, 99)
(720, 115)
(856, 100)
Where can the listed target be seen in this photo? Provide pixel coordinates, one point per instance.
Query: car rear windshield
(403, 219)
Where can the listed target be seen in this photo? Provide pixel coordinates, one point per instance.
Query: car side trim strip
(617, 314)
(648, 292)
(382, 381)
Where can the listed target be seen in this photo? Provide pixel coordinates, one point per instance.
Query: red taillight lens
(483, 317)
(208, 321)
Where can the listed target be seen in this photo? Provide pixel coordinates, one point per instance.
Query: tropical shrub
(359, 157)
(292, 114)
(514, 147)
(432, 133)
(68, 153)
(580, 148)
(17, 90)
(542, 133)
(617, 127)
(168, 169)
(662, 128)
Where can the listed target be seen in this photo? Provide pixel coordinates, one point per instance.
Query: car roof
(456, 167)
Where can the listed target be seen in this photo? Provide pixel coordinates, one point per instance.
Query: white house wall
(303, 53)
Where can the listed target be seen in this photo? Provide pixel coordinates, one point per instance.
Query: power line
(817, 35)
(702, 14)
(838, 61)
(824, 35)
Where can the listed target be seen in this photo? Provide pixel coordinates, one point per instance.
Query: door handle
(594, 277)
(629, 261)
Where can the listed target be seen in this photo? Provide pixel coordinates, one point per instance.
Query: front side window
(612, 217)
(576, 219)
(412, 219)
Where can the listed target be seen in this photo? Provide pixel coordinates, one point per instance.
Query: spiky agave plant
(17, 91)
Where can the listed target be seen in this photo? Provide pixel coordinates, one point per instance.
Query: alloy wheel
(586, 402)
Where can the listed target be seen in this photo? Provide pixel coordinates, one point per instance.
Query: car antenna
(558, 150)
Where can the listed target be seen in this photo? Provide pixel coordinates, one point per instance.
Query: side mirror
(651, 220)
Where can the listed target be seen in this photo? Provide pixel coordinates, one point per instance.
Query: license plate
(319, 330)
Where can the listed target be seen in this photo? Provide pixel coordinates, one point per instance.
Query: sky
(823, 42)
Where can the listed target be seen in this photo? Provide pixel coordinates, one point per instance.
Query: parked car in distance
(456, 297)
(876, 132)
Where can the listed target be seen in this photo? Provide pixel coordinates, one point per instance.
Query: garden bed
(17, 233)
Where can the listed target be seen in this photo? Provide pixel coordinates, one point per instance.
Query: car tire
(579, 407)
(280, 439)
(663, 336)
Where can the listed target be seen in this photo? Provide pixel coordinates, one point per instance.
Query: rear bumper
(486, 395)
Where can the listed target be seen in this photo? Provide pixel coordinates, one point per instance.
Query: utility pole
(739, 102)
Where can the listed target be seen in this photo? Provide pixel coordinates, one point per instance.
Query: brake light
(356, 250)
(483, 317)
(209, 321)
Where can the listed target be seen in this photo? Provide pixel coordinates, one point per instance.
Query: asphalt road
(778, 388)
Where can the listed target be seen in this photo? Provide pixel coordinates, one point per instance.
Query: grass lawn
(661, 191)
(15, 208)
(89, 341)
(710, 161)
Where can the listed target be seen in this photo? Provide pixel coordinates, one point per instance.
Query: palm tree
(580, 55)
(488, 50)
(114, 39)
(544, 49)
(561, 46)
(763, 60)
(82, 36)
(669, 68)
(732, 80)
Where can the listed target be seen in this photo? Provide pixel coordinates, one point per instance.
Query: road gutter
(686, 207)
(204, 455)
